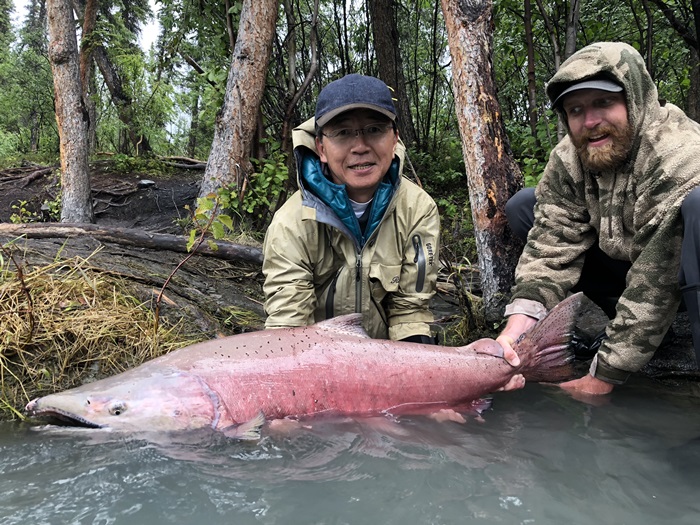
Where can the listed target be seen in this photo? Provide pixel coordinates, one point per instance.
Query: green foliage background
(174, 104)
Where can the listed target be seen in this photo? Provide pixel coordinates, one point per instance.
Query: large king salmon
(233, 384)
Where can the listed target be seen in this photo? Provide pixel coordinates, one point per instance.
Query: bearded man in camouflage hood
(616, 214)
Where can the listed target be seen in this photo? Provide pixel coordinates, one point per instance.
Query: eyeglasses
(347, 135)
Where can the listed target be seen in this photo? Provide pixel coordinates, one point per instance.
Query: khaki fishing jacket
(633, 212)
(318, 265)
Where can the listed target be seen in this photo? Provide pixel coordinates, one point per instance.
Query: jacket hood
(614, 61)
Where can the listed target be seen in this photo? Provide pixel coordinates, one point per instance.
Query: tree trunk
(294, 94)
(229, 160)
(552, 34)
(340, 21)
(571, 25)
(531, 80)
(132, 237)
(87, 70)
(687, 30)
(387, 47)
(194, 126)
(121, 100)
(35, 40)
(572, 18)
(694, 92)
(693, 105)
(71, 115)
(492, 175)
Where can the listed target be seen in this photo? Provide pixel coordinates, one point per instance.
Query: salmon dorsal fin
(349, 324)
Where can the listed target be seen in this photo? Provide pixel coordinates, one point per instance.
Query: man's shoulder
(290, 212)
(410, 190)
(291, 205)
(672, 144)
(674, 129)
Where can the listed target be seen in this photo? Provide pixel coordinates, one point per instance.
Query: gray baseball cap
(354, 92)
(602, 84)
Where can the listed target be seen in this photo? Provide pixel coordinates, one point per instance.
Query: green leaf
(191, 240)
(226, 221)
(217, 229)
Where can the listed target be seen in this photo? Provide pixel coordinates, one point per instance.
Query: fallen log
(132, 237)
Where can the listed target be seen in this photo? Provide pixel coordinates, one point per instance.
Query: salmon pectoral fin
(248, 431)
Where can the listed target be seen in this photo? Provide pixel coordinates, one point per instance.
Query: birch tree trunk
(71, 114)
(492, 175)
(229, 160)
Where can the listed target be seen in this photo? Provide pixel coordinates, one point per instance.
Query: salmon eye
(117, 409)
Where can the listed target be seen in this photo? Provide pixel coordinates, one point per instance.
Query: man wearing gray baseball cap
(616, 215)
(357, 237)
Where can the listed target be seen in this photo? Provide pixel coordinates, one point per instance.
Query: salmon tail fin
(545, 350)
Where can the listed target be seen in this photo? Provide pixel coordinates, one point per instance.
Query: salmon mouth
(62, 418)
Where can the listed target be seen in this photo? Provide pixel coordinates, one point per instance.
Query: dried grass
(67, 323)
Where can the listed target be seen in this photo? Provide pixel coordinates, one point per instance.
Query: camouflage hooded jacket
(633, 212)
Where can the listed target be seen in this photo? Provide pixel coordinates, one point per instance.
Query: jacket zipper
(358, 282)
(419, 259)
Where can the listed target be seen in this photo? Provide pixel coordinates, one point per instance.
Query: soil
(208, 288)
(149, 201)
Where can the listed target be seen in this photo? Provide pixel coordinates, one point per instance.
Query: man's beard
(607, 157)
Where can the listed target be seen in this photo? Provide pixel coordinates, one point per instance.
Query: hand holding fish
(509, 354)
(517, 325)
(587, 385)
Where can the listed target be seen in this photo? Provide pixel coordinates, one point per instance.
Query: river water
(537, 457)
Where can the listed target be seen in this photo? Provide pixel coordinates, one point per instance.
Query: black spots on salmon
(294, 393)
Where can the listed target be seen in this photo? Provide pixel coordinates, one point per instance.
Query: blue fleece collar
(336, 198)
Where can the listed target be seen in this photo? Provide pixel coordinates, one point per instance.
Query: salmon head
(158, 402)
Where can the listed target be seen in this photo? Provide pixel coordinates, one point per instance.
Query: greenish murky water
(538, 457)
